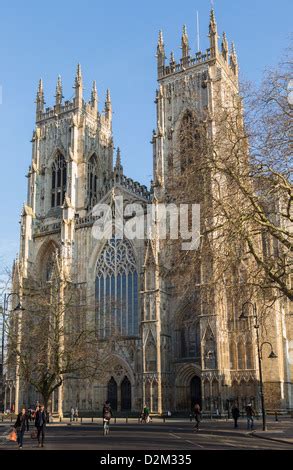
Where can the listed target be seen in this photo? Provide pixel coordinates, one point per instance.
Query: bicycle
(106, 427)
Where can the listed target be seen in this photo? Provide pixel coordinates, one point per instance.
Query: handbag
(12, 436)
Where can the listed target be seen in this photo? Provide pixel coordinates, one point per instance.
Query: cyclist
(107, 415)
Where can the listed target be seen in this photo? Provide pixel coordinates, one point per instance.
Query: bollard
(164, 419)
(92, 419)
(126, 419)
(80, 420)
(276, 416)
(115, 420)
(60, 419)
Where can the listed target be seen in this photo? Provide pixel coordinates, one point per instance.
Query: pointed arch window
(92, 182)
(59, 181)
(117, 310)
(189, 140)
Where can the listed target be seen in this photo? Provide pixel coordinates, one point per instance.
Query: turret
(213, 34)
(40, 102)
(160, 54)
(78, 87)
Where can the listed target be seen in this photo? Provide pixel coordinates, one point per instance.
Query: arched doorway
(195, 391)
(112, 393)
(125, 395)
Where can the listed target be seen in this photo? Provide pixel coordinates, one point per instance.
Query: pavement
(173, 434)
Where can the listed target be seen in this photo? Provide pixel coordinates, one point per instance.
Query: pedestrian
(76, 414)
(71, 414)
(235, 414)
(197, 412)
(40, 424)
(146, 414)
(107, 415)
(250, 413)
(20, 426)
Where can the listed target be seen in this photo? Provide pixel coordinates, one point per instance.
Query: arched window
(92, 181)
(59, 181)
(241, 355)
(117, 290)
(112, 393)
(189, 140)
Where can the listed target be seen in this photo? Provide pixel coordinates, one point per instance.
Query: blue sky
(115, 43)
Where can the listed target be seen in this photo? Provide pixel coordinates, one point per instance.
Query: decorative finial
(161, 39)
(94, 94)
(78, 77)
(172, 58)
(59, 95)
(118, 158)
(40, 101)
(225, 47)
(40, 87)
(108, 96)
(184, 43)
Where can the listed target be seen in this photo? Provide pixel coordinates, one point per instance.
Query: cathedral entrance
(125, 395)
(195, 391)
(112, 393)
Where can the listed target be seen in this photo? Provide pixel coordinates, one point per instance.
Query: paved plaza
(168, 436)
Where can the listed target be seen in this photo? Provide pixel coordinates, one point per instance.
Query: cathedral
(167, 354)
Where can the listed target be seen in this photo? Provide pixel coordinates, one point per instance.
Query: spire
(213, 33)
(59, 95)
(225, 47)
(78, 86)
(233, 59)
(118, 169)
(108, 106)
(118, 157)
(78, 76)
(184, 43)
(94, 95)
(160, 54)
(40, 101)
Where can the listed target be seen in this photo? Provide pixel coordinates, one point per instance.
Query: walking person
(235, 414)
(40, 424)
(71, 414)
(146, 414)
(21, 425)
(197, 413)
(107, 415)
(76, 414)
(250, 413)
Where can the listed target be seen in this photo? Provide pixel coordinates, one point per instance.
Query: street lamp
(272, 355)
(18, 308)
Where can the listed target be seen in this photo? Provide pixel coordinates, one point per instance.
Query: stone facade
(170, 355)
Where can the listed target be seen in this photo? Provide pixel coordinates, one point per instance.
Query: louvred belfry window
(59, 181)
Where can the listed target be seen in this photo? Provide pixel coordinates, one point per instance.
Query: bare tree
(54, 339)
(236, 164)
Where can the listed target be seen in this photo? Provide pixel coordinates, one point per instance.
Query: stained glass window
(117, 310)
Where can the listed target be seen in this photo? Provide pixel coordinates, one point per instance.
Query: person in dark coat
(21, 425)
(235, 414)
(40, 423)
(197, 413)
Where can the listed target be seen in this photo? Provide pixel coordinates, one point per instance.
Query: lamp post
(4, 315)
(272, 355)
